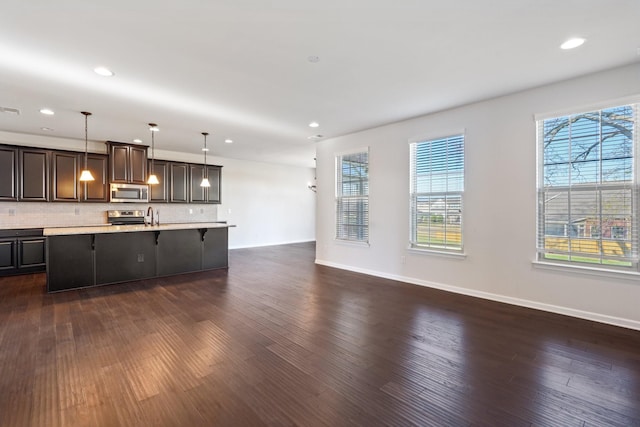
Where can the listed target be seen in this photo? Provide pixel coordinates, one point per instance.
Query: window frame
(600, 188)
(434, 248)
(341, 200)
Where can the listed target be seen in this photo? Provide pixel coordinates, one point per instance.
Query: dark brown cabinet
(64, 176)
(128, 163)
(33, 174)
(159, 192)
(33, 177)
(8, 173)
(179, 182)
(8, 255)
(22, 251)
(215, 179)
(197, 194)
(97, 190)
(200, 194)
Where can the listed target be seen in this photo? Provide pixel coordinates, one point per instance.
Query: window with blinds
(587, 188)
(437, 188)
(352, 196)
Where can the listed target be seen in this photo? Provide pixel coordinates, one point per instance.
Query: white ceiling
(239, 69)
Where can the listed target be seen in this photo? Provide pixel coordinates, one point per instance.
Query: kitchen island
(79, 257)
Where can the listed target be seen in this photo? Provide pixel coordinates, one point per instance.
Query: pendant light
(153, 179)
(205, 180)
(85, 175)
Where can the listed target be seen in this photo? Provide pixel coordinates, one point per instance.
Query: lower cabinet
(22, 254)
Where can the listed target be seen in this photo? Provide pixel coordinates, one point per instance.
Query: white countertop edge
(100, 229)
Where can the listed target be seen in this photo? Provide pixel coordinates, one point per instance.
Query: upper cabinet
(209, 194)
(33, 175)
(128, 163)
(98, 189)
(159, 192)
(215, 179)
(64, 176)
(179, 182)
(8, 173)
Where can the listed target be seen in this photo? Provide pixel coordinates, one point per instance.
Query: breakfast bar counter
(79, 257)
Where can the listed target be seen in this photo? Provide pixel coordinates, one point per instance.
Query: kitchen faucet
(150, 209)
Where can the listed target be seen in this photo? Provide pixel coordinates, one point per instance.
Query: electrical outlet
(140, 257)
(403, 259)
(201, 210)
(77, 211)
(190, 211)
(12, 212)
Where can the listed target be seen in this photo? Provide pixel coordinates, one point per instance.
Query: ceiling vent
(9, 110)
(314, 137)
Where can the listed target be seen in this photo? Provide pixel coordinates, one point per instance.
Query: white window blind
(352, 196)
(587, 188)
(437, 187)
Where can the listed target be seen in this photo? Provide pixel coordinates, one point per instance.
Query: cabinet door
(179, 182)
(197, 194)
(34, 181)
(138, 165)
(64, 177)
(119, 163)
(31, 252)
(8, 259)
(159, 192)
(97, 190)
(8, 173)
(215, 180)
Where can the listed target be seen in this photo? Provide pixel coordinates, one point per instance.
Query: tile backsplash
(43, 214)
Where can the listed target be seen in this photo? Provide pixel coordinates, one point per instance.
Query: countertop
(99, 229)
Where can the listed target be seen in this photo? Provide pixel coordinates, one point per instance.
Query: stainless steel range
(122, 217)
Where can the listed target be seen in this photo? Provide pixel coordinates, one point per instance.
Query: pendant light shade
(153, 179)
(85, 175)
(205, 179)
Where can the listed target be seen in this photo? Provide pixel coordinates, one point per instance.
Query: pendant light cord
(86, 137)
(152, 127)
(204, 166)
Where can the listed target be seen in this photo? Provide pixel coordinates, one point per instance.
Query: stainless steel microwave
(129, 193)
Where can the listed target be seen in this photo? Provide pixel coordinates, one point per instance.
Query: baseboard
(596, 317)
(262, 245)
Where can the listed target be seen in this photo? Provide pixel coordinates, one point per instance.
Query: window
(586, 181)
(437, 186)
(352, 196)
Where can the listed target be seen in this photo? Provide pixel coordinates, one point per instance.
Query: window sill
(589, 271)
(352, 243)
(445, 254)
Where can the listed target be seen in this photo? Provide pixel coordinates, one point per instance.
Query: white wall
(500, 205)
(269, 203)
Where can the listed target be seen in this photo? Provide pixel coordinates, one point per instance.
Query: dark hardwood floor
(279, 341)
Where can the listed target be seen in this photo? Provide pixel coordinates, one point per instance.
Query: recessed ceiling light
(314, 137)
(47, 111)
(47, 129)
(314, 124)
(103, 71)
(228, 141)
(137, 140)
(572, 43)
